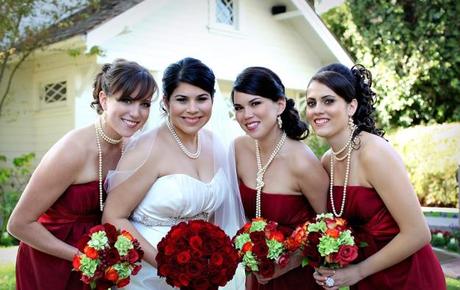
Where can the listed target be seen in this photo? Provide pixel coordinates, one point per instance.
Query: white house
(52, 91)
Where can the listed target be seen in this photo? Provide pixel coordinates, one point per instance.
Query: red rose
(111, 232)
(112, 256)
(334, 233)
(260, 249)
(183, 257)
(81, 244)
(133, 256)
(313, 238)
(195, 242)
(216, 259)
(164, 270)
(136, 269)
(123, 283)
(111, 274)
(96, 229)
(266, 268)
(194, 269)
(183, 280)
(277, 236)
(247, 247)
(169, 250)
(283, 260)
(90, 252)
(201, 284)
(346, 255)
(312, 255)
(76, 262)
(271, 226)
(257, 236)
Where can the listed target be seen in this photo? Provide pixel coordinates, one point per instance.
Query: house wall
(176, 29)
(28, 124)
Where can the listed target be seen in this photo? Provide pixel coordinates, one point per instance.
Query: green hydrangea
(123, 269)
(98, 240)
(322, 216)
(257, 226)
(88, 266)
(250, 261)
(123, 245)
(328, 245)
(275, 249)
(240, 240)
(317, 227)
(345, 238)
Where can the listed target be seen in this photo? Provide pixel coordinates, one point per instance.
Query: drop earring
(280, 122)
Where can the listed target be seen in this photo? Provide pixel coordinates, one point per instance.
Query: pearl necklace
(182, 146)
(261, 170)
(104, 136)
(349, 145)
(99, 153)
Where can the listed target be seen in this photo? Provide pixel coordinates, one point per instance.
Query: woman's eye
(255, 104)
(328, 101)
(237, 108)
(181, 100)
(311, 104)
(146, 104)
(126, 100)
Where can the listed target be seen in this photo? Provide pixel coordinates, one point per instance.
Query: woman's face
(189, 108)
(257, 115)
(124, 115)
(327, 112)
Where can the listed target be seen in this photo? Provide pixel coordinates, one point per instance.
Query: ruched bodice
(373, 224)
(178, 197)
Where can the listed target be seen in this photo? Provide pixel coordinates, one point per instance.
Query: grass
(7, 276)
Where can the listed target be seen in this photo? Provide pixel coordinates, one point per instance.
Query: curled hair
(261, 81)
(191, 71)
(349, 84)
(125, 77)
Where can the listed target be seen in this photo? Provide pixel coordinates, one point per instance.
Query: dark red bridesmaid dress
(372, 223)
(71, 216)
(288, 211)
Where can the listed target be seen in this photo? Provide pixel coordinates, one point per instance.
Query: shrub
(317, 144)
(13, 178)
(432, 156)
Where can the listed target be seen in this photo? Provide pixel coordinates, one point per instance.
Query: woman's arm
(57, 170)
(385, 171)
(125, 197)
(312, 179)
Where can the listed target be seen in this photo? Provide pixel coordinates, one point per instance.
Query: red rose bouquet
(196, 255)
(109, 257)
(261, 246)
(326, 241)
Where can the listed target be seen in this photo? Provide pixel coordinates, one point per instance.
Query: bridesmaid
(293, 184)
(369, 187)
(64, 196)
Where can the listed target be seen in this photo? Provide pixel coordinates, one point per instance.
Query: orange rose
(333, 233)
(111, 274)
(247, 247)
(127, 235)
(91, 252)
(76, 262)
(277, 236)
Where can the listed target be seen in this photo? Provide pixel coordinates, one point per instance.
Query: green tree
(27, 25)
(413, 49)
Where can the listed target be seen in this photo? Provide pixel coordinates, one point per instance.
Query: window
(225, 12)
(54, 93)
(223, 16)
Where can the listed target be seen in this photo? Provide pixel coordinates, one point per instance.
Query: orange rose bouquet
(261, 246)
(109, 257)
(326, 241)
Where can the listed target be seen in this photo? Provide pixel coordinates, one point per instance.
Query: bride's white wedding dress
(172, 199)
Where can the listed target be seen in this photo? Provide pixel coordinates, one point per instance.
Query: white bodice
(177, 197)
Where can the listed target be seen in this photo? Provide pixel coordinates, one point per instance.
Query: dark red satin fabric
(71, 216)
(289, 211)
(372, 223)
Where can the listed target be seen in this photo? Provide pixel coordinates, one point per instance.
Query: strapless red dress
(288, 211)
(71, 216)
(372, 223)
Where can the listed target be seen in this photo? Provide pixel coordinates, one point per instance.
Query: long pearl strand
(349, 145)
(261, 170)
(181, 145)
(100, 133)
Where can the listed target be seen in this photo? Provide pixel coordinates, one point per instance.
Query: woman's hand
(334, 279)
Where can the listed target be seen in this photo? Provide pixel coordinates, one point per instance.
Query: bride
(175, 172)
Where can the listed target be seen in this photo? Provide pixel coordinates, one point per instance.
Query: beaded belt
(171, 221)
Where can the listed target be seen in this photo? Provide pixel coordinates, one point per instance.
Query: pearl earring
(351, 123)
(280, 122)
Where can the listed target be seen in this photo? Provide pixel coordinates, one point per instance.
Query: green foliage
(413, 52)
(431, 155)
(317, 144)
(13, 178)
(7, 276)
